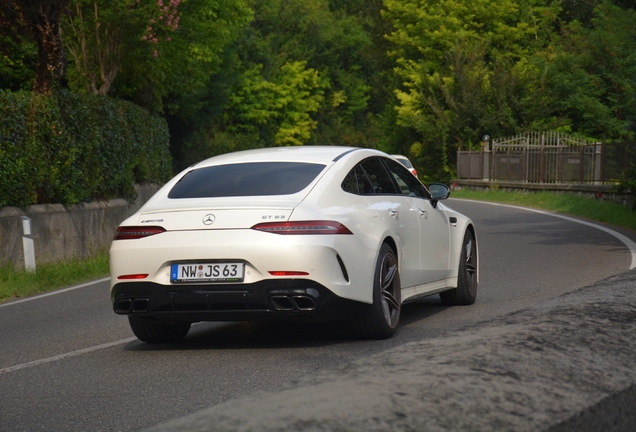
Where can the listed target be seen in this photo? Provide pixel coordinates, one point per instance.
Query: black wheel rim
(390, 290)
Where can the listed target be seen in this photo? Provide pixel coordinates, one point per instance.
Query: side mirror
(439, 191)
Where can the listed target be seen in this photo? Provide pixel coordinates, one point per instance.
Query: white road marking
(631, 246)
(11, 303)
(67, 355)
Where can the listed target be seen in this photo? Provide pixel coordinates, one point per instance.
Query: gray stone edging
(567, 364)
(62, 233)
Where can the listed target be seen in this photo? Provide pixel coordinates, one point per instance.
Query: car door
(397, 212)
(434, 226)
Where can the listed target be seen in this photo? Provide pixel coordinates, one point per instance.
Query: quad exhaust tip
(140, 305)
(135, 306)
(290, 303)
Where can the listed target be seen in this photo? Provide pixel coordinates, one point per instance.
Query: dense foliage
(422, 78)
(68, 148)
(417, 77)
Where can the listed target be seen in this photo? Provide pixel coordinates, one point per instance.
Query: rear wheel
(380, 320)
(151, 331)
(466, 291)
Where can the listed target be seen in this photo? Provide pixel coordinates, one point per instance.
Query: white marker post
(27, 245)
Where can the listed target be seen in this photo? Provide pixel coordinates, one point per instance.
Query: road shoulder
(535, 369)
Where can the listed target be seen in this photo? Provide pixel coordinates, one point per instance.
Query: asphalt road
(67, 362)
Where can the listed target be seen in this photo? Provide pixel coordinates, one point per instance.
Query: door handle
(394, 214)
(423, 213)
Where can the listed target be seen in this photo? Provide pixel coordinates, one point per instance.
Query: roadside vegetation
(51, 276)
(597, 210)
(48, 277)
(422, 79)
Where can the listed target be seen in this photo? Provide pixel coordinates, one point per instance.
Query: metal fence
(547, 157)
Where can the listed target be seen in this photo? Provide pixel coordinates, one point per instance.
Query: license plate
(207, 272)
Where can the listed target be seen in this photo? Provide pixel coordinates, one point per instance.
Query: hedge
(70, 148)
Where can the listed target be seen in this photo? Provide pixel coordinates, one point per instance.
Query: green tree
(464, 67)
(97, 34)
(341, 41)
(332, 38)
(41, 20)
(18, 54)
(150, 52)
(592, 74)
(278, 111)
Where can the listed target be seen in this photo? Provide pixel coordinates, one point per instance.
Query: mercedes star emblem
(208, 219)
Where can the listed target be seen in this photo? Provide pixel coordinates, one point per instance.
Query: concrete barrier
(61, 233)
(565, 365)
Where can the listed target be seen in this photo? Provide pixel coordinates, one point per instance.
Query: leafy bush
(71, 148)
(629, 183)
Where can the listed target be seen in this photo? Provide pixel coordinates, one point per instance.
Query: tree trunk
(42, 19)
(51, 58)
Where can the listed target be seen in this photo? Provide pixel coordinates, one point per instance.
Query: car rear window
(246, 179)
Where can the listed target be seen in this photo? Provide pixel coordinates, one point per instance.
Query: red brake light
(288, 273)
(133, 276)
(132, 233)
(303, 227)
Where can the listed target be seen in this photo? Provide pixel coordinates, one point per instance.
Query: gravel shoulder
(567, 364)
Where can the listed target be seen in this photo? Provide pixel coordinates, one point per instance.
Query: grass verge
(607, 212)
(51, 276)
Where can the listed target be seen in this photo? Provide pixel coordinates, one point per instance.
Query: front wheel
(380, 320)
(151, 331)
(466, 291)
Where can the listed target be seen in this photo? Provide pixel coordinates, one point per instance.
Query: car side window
(357, 182)
(406, 181)
(378, 176)
(369, 177)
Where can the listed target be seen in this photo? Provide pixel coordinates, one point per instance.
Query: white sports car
(294, 233)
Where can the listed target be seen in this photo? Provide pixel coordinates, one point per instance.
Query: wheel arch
(391, 242)
(474, 233)
(457, 253)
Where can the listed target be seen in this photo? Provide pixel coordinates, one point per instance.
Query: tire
(151, 331)
(466, 291)
(380, 320)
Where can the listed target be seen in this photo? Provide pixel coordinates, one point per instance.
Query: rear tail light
(303, 227)
(132, 233)
(288, 273)
(133, 276)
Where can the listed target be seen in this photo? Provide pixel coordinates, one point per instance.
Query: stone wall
(61, 233)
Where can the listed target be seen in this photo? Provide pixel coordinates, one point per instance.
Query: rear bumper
(340, 263)
(281, 299)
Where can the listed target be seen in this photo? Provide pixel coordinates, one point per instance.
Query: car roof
(315, 154)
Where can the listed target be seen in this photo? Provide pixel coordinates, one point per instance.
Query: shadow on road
(272, 335)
